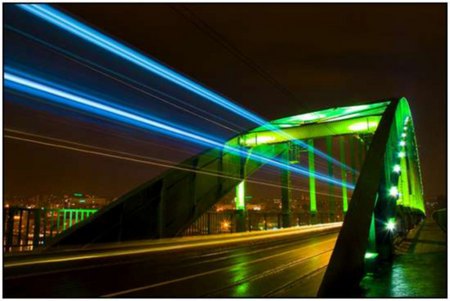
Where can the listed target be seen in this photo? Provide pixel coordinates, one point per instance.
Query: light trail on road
(251, 264)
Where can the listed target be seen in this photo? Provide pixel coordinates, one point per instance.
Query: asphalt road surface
(279, 263)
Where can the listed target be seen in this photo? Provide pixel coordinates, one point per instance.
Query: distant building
(75, 200)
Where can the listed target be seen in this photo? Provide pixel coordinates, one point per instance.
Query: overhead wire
(84, 62)
(190, 16)
(98, 68)
(66, 97)
(146, 160)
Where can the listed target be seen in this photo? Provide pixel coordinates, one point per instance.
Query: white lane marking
(132, 290)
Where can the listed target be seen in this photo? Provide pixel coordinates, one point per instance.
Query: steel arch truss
(389, 185)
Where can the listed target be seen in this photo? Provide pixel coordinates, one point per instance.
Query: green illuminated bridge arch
(389, 185)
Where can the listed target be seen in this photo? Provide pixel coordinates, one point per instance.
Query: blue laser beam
(32, 86)
(85, 32)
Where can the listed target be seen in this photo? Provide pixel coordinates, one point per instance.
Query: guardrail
(213, 222)
(26, 229)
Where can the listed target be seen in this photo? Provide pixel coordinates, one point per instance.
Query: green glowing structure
(388, 196)
(312, 180)
(169, 204)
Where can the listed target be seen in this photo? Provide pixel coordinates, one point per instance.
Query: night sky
(276, 60)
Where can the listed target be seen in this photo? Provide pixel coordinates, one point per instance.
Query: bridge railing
(213, 222)
(26, 229)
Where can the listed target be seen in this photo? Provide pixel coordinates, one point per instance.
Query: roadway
(278, 263)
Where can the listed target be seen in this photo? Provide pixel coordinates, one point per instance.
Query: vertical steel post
(45, 225)
(64, 219)
(27, 230)
(353, 147)
(312, 182)
(331, 199)
(361, 147)
(10, 231)
(343, 176)
(240, 196)
(240, 199)
(286, 193)
(37, 225)
(20, 227)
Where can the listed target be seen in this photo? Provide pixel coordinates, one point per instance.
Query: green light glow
(256, 139)
(240, 196)
(343, 176)
(401, 154)
(370, 255)
(402, 143)
(390, 225)
(77, 194)
(333, 114)
(312, 179)
(363, 126)
(372, 242)
(310, 116)
(393, 191)
(397, 168)
(404, 135)
(356, 108)
(403, 183)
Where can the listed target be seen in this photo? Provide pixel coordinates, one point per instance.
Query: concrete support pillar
(331, 198)
(286, 193)
(343, 175)
(312, 182)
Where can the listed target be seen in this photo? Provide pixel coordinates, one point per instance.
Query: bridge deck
(237, 265)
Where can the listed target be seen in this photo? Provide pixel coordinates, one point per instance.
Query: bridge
(142, 234)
